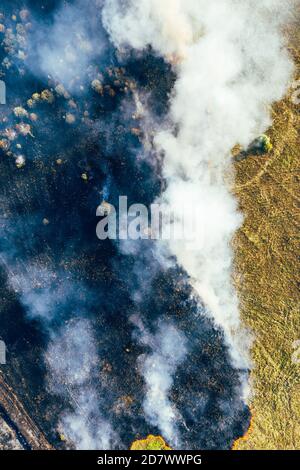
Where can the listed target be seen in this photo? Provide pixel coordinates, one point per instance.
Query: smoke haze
(231, 65)
(124, 339)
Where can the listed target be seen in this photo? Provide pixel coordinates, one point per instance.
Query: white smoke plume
(231, 65)
(34, 284)
(73, 369)
(168, 350)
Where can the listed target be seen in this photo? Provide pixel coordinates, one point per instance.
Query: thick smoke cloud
(231, 65)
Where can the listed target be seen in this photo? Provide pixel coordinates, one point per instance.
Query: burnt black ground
(206, 387)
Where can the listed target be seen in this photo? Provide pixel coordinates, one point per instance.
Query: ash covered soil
(63, 152)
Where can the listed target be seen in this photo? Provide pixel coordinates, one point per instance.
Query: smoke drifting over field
(123, 339)
(230, 65)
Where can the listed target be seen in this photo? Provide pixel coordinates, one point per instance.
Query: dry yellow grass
(267, 278)
(150, 443)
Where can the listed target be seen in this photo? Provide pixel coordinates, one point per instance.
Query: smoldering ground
(227, 75)
(66, 291)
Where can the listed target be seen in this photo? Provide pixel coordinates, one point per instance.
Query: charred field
(48, 220)
(107, 342)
